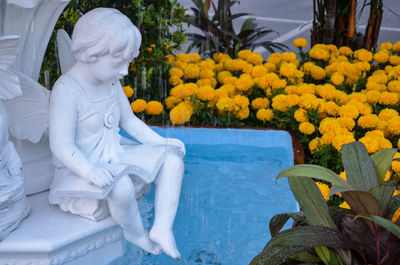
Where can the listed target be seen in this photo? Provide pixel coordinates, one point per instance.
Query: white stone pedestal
(50, 236)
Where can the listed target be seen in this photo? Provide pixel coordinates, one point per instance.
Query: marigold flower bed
(330, 96)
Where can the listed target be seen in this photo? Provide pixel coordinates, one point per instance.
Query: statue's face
(109, 68)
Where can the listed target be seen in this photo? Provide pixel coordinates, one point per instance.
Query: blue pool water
(228, 195)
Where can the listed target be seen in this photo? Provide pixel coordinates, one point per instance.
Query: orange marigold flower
(171, 101)
(265, 114)
(337, 79)
(387, 114)
(314, 145)
(349, 111)
(339, 140)
(154, 108)
(394, 126)
(300, 42)
(260, 103)
(205, 93)
(180, 114)
(370, 143)
(306, 128)
(138, 105)
(381, 57)
(369, 121)
(346, 51)
(176, 72)
(128, 90)
(255, 58)
(300, 115)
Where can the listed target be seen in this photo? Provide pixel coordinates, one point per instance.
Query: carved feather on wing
(9, 85)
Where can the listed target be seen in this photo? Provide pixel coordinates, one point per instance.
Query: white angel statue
(13, 204)
(87, 110)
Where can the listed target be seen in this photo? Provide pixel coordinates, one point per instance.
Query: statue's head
(103, 31)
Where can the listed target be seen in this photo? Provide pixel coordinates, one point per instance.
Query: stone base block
(50, 236)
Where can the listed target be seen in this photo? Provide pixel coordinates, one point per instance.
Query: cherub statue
(87, 108)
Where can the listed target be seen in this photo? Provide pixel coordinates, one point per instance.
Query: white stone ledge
(50, 236)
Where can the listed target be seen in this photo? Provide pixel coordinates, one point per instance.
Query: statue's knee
(124, 190)
(174, 159)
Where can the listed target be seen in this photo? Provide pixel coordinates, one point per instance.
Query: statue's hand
(13, 161)
(177, 143)
(99, 177)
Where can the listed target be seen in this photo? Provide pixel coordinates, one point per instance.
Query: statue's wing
(64, 51)
(9, 84)
(28, 114)
(23, 3)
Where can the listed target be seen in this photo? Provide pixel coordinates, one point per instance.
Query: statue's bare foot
(166, 240)
(145, 243)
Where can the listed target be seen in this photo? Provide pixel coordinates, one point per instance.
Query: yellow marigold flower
(306, 128)
(339, 140)
(289, 57)
(244, 83)
(265, 114)
(395, 216)
(248, 69)
(255, 58)
(207, 64)
(346, 51)
(291, 89)
(230, 80)
(383, 143)
(385, 46)
(280, 83)
(314, 145)
(337, 79)
(204, 74)
(363, 66)
(138, 105)
(378, 76)
(194, 57)
(306, 89)
(171, 101)
(369, 121)
(330, 108)
(241, 101)
(396, 47)
(349, 111)
(389, 98)
(318, 52)
(370, 143)
(388, 69)
(288, 69)
(176, 72)
(258, 70)
(170, 58)
(213, 82)
(192, 71)
(180, 114)
(344, 205)
(219, 57)
(292, 100)
(260, 103)
(394, 125)
(243, 54)
(300, 115)
(243, 113)
(154, 108)
(174, 80)
(203, 82)
(181, 65)
(219, 67)
(394, 60)
(183, 57)
(381, 57)
(342, 97)
(183, 91)
(318, 73)
(308, 101)
(394, 86)
(128, 90)
(396, 164)
(226, 104)
(363, 55)
(328, 125)
(324, 190)
(235, 65)
(373, 96)
(343, 175)
(279, 103)
(387, 114)
(347, 123)
(300, 42)
(374, 133)
(229, 88)
(275, 58)
(205, 93)
(222, 75)
(327, 138)
(327, 91)
(270, 67)
(266, 81)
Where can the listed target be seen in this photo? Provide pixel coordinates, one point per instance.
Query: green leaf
(299, 239)
(279, 220)
(362, 202)
(247, 24)
(395, 229)
(305, 257)
(385, 196)
(382, 161)
(311, 201)
(327, 256)
(360, 170)
(314, 171)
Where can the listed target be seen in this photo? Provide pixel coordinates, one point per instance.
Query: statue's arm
(134, 126)
(62, 123)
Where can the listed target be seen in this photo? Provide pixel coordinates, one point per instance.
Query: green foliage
(218, 34)
(154, 19)
(362, 235)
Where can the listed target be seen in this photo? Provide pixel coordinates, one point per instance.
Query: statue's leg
(124, 209)
(168, 187)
